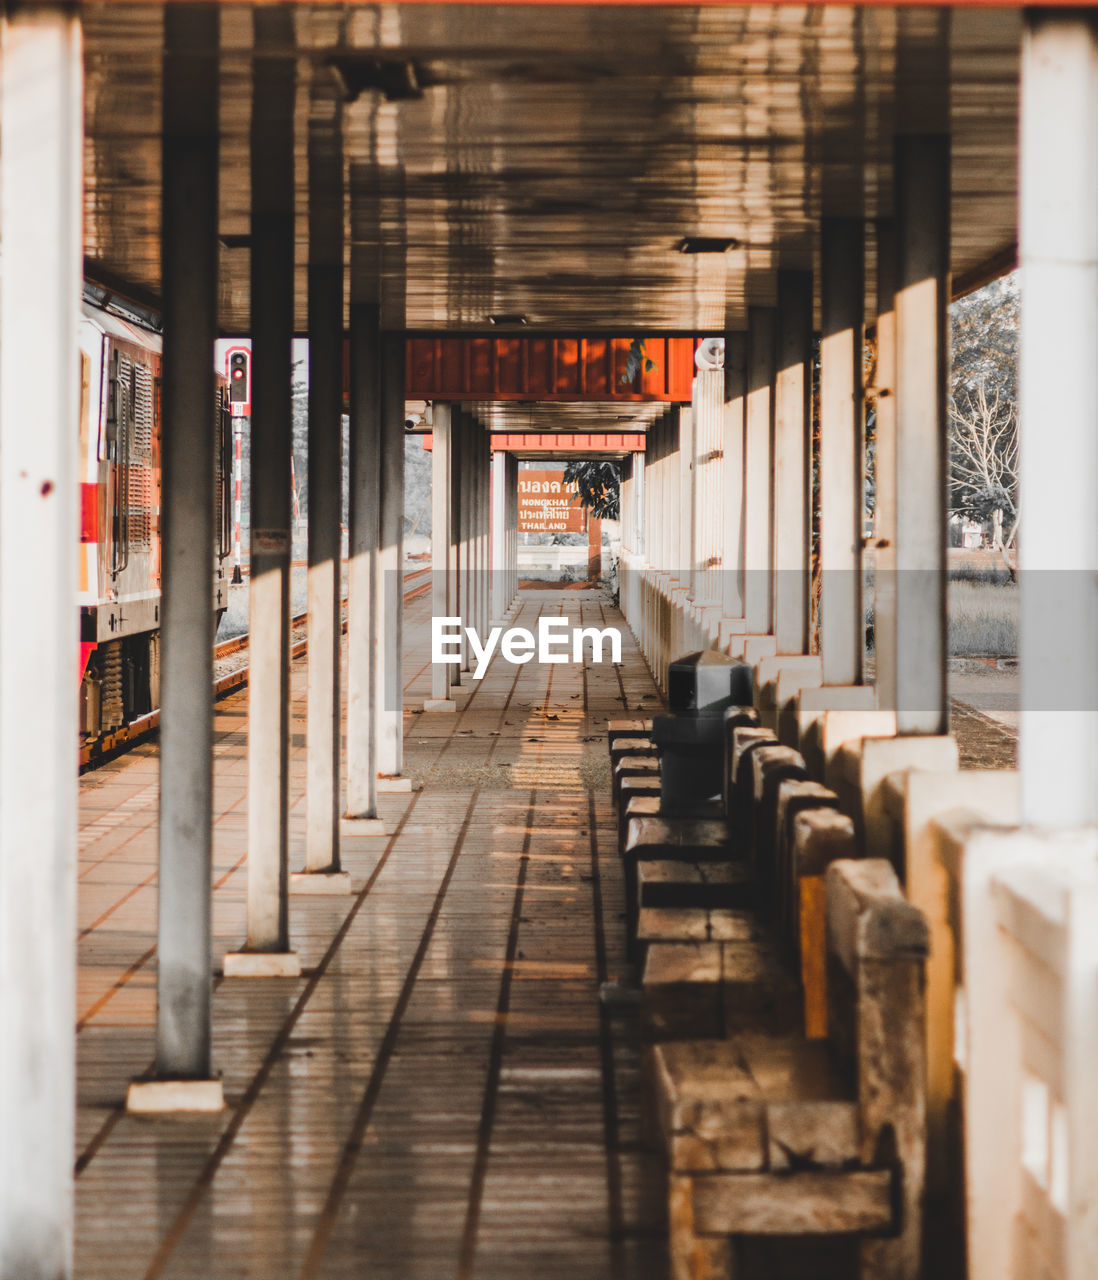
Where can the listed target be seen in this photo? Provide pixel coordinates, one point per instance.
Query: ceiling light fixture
(707, 244)
(506, 320)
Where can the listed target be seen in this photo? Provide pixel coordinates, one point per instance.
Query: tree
(983, 419)
(597, 484)
(983, 456)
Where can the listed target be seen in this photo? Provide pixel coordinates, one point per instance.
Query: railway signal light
(240, 390)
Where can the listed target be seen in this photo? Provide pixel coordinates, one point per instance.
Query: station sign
(547, 505)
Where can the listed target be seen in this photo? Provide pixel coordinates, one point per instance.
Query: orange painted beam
(539, 368)
(563, 442)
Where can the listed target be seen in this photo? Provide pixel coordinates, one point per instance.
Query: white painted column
(365, 344)
(324, 730)
(442, 586)
(732, 445)
(462, 536)
(842, 290)
(40, 227)
(758, 472)
(512, 525)
(922, 357)
(792, 461)
(389, 581)
(1059, 419)
(685, 485)
(884, 577)
(188, 444)
(499, 536)
(272, 304)
(640, 464)
(458, 587)
(708, 416)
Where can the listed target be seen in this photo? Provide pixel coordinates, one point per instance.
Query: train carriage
(120, 502)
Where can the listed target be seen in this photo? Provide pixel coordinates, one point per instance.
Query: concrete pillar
(842, 291)
(792, 461)
(708, 416)
(758, 471)
(324, 731)
(685, 479)
(512, 525)
(922, 452)
(498, 570)
(465, 501)
(1059, 404)
(639, 485)
(40, 226)
(389, 582)
(732, 485)
(365, 344)
(455, 559)
(188, 440)
(884, 524)
(442, 586)
(272, 303)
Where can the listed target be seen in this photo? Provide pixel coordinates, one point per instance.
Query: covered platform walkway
(441, 1093)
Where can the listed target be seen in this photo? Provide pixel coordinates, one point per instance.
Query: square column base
(439, 704)
(262, 964)
(320, 882)
(392, 784)
(164, 1097)
(363, 827)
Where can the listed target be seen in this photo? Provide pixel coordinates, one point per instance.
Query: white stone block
(160, 1097)
(321, 883)
(261, 964)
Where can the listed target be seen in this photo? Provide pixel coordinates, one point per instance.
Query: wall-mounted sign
(547, 505)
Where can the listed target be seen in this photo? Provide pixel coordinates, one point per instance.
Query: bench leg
(693, 1257)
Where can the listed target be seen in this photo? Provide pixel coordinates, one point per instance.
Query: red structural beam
(545, 368)
(563, 442)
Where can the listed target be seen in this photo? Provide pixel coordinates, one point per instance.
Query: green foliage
(638, 360)
(597, 485)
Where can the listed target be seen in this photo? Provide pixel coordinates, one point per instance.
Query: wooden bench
(633, 767)
(769, 766)
(775, 1135)
(627, 729)
(630, 745)
(656, 838)
(714, 988)
(794, 796)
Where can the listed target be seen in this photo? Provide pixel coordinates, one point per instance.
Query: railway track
(112, 744)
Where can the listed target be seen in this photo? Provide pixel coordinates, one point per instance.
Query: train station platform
(441, 1093)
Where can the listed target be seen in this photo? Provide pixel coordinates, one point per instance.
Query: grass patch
(983, 614)
(983, 619)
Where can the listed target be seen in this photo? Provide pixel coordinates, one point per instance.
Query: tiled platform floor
(441, 1093)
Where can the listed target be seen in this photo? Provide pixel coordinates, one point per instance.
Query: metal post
(884, 523)
(758, 471)
(40, 226)
(1059, 419)
(842, 291)
(792, 454)
(365, 341)
(389, 583)
(922, 239)
(272, 304)
(322, 863)
(187, 450)
(732, 444)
